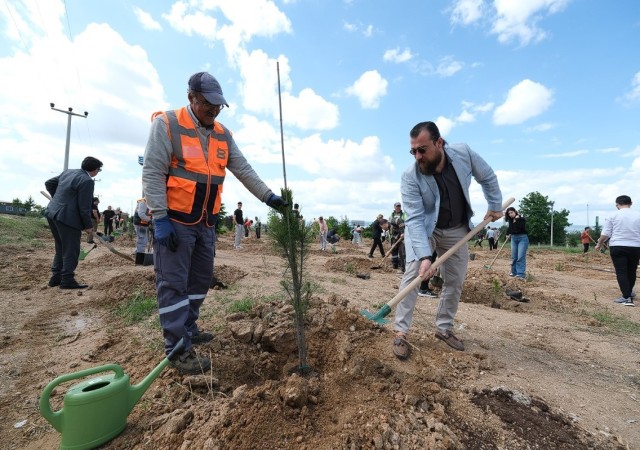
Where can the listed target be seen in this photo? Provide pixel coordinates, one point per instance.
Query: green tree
(332, 222)
(221, 215)
(291, 238)
(597, 230)
(29, 204)
(344, 229)
(537, 209)
(16, 202)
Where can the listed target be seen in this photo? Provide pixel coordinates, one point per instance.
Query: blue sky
(547, 91)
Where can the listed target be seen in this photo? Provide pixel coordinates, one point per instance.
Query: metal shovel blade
(379, 316)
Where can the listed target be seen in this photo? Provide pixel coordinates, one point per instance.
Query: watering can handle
(176, 350)
(45, 406)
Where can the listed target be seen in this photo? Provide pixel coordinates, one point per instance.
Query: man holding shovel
(435, 195)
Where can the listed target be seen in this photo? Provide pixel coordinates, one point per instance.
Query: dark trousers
(67, 242)
(492, 243)
(108, 227)
(257, 232)
(585, 247)
(182, 279)
(377, 242)
(625, 262)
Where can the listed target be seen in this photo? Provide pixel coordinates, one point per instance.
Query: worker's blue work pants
(182, 279)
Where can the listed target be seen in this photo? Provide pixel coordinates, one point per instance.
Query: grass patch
(23, 230)
(615, 322)
(137, 308)
(243, 305)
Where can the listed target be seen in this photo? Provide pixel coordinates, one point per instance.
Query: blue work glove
(164, 233)
(275, 201)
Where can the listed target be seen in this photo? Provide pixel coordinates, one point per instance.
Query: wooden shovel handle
(441, 259)
(391, 249)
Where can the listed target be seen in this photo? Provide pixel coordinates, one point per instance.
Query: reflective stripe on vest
(194, 183)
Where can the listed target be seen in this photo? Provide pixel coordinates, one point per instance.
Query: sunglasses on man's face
(422, 150)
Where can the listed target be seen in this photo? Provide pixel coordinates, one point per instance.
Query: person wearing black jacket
(68, 214)
(517, 232)
(376, 227)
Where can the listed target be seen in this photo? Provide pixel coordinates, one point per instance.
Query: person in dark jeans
(623, 232)
(376, 227)
(107, 217)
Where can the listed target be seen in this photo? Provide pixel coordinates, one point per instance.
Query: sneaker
(201, 337)
(370, 256)
(629, 302)
(450, 339)
(427, 293)
(190, 363)
(54, 281)
(621, 300)
(512, 274)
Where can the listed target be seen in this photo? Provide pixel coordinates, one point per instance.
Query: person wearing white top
(623, 232)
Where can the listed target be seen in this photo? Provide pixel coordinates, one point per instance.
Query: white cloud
(397, 56)
(465, 117)
(525, 100)
(145, 19)
(466, 12)
(634, 93)
(309, 111)
(608, 150)
(445, 125)
(369, 89)
(194, 18)
(572, 154)
(448, 66)
(112, 72)
(540, 127)
(259, 90)
(195, 23)
(519, 19)
(365, 30)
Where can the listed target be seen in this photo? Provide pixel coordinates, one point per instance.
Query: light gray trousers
(453, 271)
(239, 233)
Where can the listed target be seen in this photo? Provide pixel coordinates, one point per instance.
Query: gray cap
(208, 86)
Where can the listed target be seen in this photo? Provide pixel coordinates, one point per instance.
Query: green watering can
(84, 254)
(95, 411)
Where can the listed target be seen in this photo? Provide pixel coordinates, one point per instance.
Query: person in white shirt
(623, 232)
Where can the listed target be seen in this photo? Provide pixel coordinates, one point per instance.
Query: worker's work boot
(190, 363)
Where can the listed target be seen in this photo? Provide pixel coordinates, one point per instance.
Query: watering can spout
(138, 390)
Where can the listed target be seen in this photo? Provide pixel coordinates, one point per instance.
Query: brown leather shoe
(401, 347)
(450, 339)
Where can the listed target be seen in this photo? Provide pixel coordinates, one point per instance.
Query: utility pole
(69, 113)
(587, 214)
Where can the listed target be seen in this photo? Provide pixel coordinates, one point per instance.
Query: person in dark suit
(68, 214)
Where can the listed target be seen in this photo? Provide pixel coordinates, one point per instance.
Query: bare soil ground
(561, 372)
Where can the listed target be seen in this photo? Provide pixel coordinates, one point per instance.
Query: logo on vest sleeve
(221, 154)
